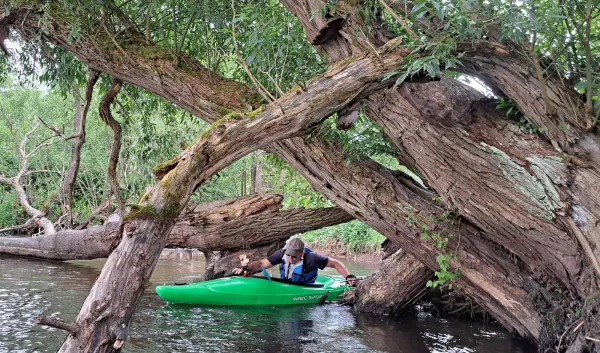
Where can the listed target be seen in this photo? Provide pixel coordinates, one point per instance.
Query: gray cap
(294, 247)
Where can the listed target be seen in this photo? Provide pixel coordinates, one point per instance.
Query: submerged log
(244, 222)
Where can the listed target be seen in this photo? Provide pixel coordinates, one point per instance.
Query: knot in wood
(130, 228)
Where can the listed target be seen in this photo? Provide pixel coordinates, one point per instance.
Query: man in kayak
(298, 264)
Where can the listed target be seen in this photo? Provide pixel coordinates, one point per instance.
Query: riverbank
(340, 253)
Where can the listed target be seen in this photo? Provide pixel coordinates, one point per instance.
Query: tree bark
(230, 225)
(115, 149)
(450, 130)
(384, 203)
(393, 289)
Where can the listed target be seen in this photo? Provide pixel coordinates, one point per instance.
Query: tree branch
(400, 20)
(104, 205)
(106, 116)
(57, 323)
(15, 182)
(30, 222)
(588, 63)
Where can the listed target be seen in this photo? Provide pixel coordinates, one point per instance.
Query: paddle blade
(265, 273)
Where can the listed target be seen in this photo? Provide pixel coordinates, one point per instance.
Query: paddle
(265, 273)
(323, 298)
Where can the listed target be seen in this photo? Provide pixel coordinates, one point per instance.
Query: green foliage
(557, 31)
(354, 237)
(8, 205)
(363, 139)
(431, 58)
(445, 275)
(513, 113)
(152, 133)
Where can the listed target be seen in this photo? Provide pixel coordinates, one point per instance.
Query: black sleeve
(276, 257)
(318, 261)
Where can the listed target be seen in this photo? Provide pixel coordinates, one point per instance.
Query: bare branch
(30, 223)
(4, 180)
(104, 205)
(15, 182)
(41, 171)
(23, 144)
(55, 322)
(281, 93)
(51, 128)
(41, 145)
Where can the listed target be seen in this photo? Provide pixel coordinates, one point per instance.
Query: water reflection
(31, 287)
(429, 334)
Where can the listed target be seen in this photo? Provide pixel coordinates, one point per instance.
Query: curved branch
(106, 116)
(79, 130)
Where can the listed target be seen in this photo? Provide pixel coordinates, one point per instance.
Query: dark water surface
(31, 287)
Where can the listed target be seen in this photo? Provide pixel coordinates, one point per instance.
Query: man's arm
(254, 266)
(342, 270)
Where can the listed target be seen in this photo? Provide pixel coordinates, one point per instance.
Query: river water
(31, 287)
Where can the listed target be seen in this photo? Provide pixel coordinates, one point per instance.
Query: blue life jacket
(300, 275)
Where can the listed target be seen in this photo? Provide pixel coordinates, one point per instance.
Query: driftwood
(242, 223)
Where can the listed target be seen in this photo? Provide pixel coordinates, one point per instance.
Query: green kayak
(253, 291)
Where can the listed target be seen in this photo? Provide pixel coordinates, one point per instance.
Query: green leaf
(389, 74)
(581, 86)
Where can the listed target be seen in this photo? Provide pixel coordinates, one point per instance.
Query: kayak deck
(252, 291)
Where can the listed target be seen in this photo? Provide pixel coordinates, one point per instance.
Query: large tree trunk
(384, 203)
(446, 133)
(394, 288)
(228, 225)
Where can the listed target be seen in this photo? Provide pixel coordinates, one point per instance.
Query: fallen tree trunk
(392, 290)
(222, 263)
(246, 222)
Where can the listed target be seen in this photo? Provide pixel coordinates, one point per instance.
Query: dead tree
(37, 217)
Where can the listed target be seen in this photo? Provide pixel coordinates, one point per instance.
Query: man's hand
(351, 279)
(241, 270)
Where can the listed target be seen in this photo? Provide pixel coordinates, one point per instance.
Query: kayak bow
(253, 291)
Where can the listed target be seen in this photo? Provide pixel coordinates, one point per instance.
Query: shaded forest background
(150, 137)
